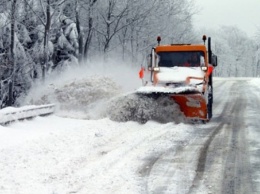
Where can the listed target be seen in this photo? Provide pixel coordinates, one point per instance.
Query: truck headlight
(156, 68)
(204, 68)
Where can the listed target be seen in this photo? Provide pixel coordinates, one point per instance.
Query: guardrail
(11, 114)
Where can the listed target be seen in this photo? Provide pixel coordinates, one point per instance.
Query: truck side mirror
(149, 60)
(214, 60)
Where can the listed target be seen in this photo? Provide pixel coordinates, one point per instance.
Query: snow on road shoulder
(61, 155)
(253, 130)
(253, 135)
(255, 81)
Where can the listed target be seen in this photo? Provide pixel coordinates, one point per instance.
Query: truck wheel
(210, 102)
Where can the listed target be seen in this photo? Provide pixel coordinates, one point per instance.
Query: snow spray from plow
(142, 108)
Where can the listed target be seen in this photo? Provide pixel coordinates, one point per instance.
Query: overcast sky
(245, 14)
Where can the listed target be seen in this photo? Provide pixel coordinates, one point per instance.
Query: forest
(40, 37)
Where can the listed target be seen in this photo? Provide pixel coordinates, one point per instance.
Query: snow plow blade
(191, 101)
(194, 106)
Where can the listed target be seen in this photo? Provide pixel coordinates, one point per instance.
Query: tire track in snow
(165, 172)
(204, 150)
(119, 154)
(235, 174)
(237, 178)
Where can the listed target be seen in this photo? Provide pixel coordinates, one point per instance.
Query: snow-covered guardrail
(11, 114)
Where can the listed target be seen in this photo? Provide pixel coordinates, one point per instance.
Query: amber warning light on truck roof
(204, 38)
(159, 39)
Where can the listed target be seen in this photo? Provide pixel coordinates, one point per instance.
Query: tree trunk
(12, 56)
(80, 38)
(89, 37)
(46, 39)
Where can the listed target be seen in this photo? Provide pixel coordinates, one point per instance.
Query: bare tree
(170, 19)
(237, 53)
(84, 37)
(12, 56)
(112, 14)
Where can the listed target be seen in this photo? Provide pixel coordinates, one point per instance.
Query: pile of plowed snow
(93, 96)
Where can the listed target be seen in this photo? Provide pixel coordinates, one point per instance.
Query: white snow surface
(62, 155)
(176, 75)
(167, 89)
(79, 149)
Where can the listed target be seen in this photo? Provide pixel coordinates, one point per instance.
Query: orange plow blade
(193, 106)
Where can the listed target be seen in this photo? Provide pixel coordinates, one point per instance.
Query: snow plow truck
(182, 72)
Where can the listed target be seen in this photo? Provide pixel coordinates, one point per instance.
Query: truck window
(180, 59)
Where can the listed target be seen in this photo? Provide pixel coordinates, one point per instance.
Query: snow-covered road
(58, 155)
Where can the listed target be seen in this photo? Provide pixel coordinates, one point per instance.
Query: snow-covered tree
(236, 52)
(15, 66)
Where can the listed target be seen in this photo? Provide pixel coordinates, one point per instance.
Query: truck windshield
(181, 59)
